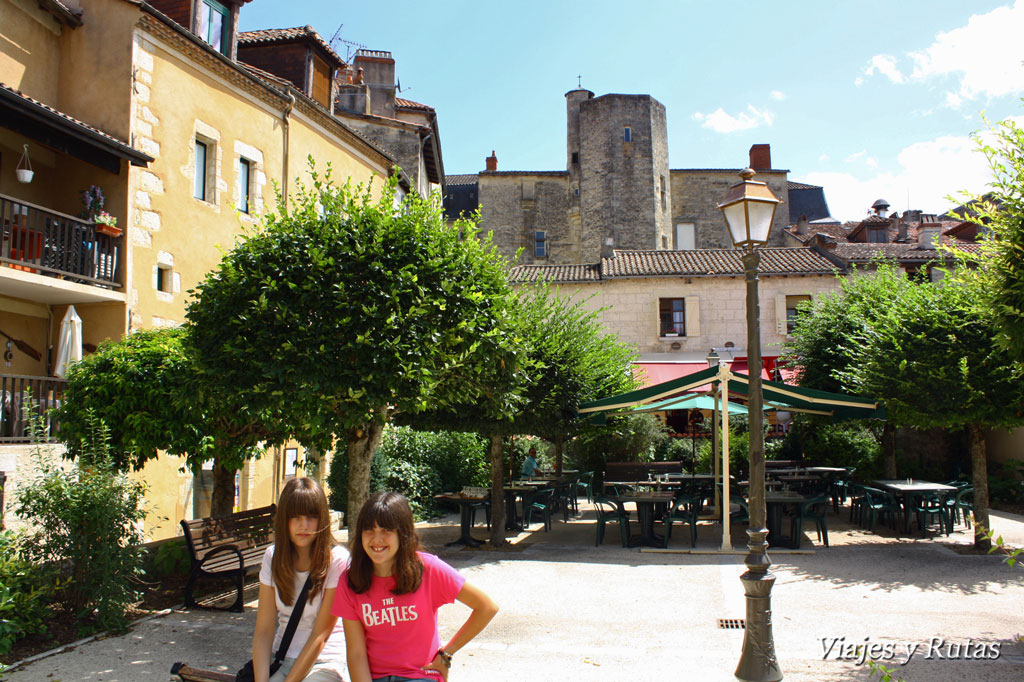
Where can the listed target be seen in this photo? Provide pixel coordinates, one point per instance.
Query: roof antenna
(579, 82)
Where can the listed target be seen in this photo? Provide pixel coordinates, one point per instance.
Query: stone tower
(617, 159)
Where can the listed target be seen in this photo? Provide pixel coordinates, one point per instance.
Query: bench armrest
(220, 550)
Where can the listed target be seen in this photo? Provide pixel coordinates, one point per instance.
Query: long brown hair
(389, 511)
(301, 497)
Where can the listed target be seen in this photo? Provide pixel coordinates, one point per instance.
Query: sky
(869, 99)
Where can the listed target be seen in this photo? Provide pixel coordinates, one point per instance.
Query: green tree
(346, 309)
(997, 271)
(931, 357)
(150, 391)
(827, 339)
(568, 360)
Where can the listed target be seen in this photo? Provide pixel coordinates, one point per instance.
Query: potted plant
(93, 200)
(106, 224)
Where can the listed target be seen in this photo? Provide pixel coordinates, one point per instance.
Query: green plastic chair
(585, 482)
(879, 503)
(812, 510)
(543, 503)
(961, 503)
(932, 505)
(610, 510)
(685, 509)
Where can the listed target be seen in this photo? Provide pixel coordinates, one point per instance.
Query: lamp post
(749, 207)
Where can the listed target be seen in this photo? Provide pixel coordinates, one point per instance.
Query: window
(627, 134)
(793, 310)
(664, 194)
(672, 315)
(244, 173)
(878, 235)
(540, 247)
(291, 462)
(213, 25)
(575, 157)
(685, 237)
(164, 279)
(199, 185)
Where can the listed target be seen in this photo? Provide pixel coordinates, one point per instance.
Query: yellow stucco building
(148, 102)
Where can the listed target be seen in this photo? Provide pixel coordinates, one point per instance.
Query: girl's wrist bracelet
(445, 656)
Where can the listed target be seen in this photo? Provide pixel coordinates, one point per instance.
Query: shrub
(25, 593)
(1004, 483)
(169, 558)
(632, 438)
(418, 464)
(844, 444)
(84, 529)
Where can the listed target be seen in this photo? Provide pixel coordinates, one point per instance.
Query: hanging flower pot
(24, 170)
(107, 224)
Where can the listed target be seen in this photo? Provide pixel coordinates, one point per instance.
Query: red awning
(741, 366)
(650, 373)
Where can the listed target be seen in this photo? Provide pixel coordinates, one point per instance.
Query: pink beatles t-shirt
(401, 629)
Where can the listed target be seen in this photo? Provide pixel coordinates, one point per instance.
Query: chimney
(928, 235)
(761, 156)
(801, 225)
(492, 162)
(901, 232)
(825, 241)
(608, 248)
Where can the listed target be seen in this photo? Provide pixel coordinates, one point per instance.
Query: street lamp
(749, 207)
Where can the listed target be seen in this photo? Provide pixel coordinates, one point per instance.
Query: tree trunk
(979, 466)
(222, 499)
(559, 447)
(889, 449)
(362, 443)
(497, 493)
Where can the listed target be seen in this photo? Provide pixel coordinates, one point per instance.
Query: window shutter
(780, 314)
(692, 316)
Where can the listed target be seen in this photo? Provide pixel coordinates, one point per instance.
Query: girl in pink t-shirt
(389, 596)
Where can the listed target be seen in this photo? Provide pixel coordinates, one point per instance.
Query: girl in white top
(302, 548)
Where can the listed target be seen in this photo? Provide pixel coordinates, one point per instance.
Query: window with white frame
(788, 310)
(244, 190)
(291, 462)
(202, 155)
(164, 278)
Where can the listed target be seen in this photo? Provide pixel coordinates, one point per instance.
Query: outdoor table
(465, 503)
(645, 504)
(775, 501)
(908, 489)
(518, 489)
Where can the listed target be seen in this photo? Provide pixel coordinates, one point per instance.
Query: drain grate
(732, 624)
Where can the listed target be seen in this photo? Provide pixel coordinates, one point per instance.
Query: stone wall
(620, 181)
(695, 197)
(514, 206)
(719, 303)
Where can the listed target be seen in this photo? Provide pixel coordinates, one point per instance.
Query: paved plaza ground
(573, 611)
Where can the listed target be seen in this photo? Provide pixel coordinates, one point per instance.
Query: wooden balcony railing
(20, 397)
(37, 239)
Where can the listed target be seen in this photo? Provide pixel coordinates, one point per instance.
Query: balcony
(20, 397)
(49, 244)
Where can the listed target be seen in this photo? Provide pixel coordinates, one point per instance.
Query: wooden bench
(184, 673)
(228, 547)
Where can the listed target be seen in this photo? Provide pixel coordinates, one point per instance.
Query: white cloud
(886, 65)
(983, 57)
(824, 157)
(924, 174)
(721, 122)
(778, 95)
(853, 157)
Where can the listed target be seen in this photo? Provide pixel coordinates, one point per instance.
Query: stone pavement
(570, 610)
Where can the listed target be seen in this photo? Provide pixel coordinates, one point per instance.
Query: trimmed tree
(147, 389)
(348, 308)
(931, 357)
(568, 360)
(826, 341)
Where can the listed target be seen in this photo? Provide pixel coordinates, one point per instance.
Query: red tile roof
(409, 104)
(555, 273)
(284, 35)
(911, 252)
(266, 75)
(713, 262)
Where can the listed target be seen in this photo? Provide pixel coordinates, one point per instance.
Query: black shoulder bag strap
(293, 623)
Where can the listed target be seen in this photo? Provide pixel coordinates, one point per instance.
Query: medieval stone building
(617, 191)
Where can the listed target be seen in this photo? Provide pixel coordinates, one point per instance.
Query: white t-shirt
(334, 650)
